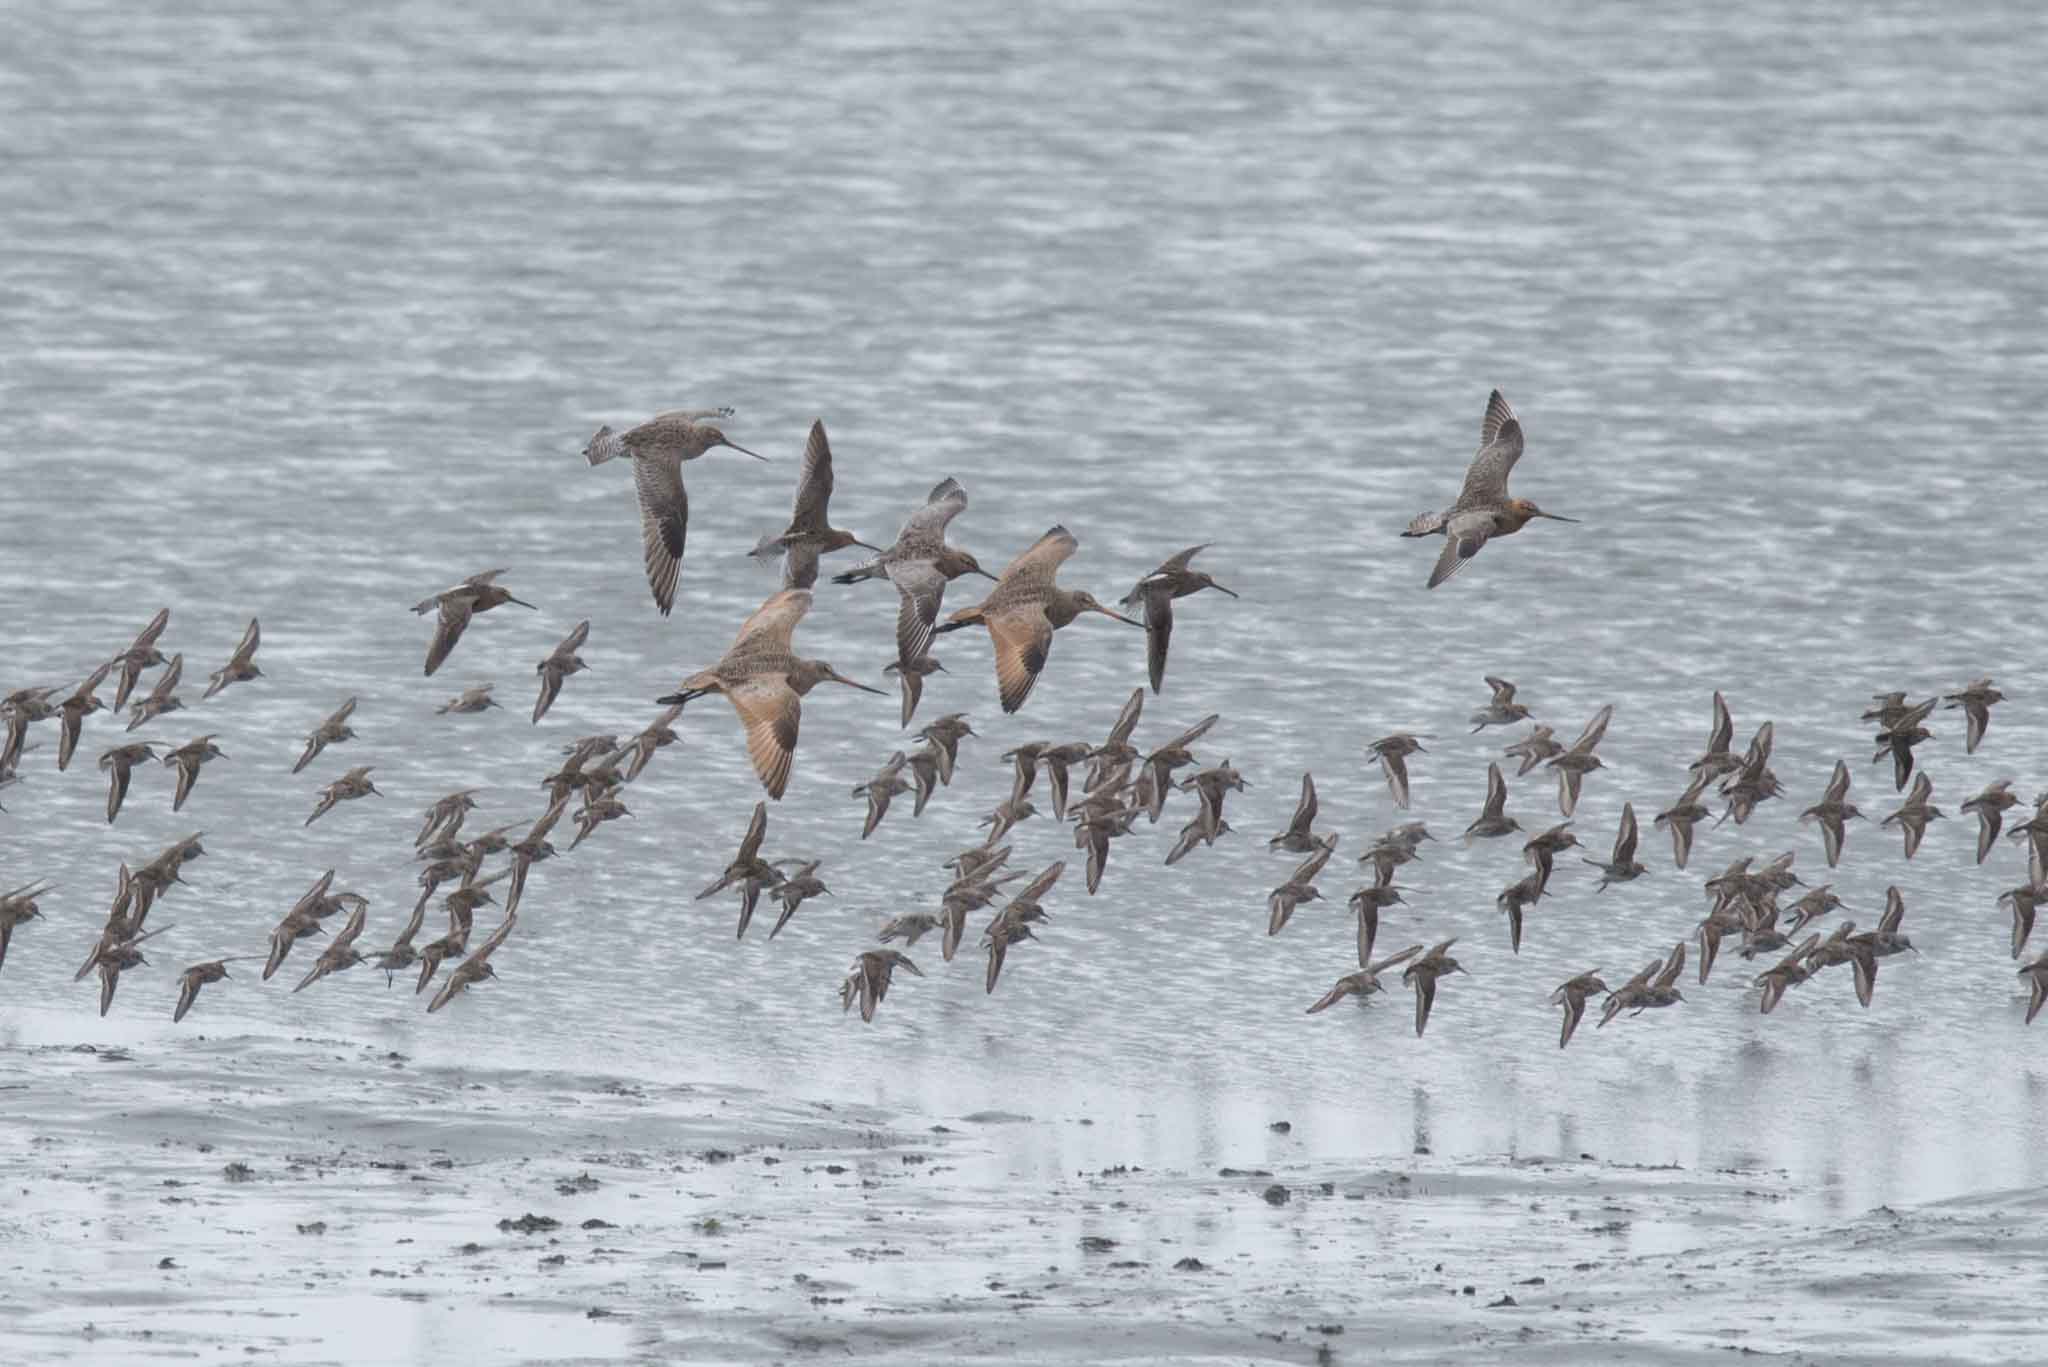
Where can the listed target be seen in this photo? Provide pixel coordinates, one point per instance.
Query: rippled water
(309, 316)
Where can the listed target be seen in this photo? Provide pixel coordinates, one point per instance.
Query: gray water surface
(307, 316)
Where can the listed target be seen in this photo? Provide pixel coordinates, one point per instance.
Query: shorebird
(764, 680)
(340, 952)
(1681, 816)
(1300, 887)
(910, 678)
(1575, 763)
(1533, 749)
(118, 763)
(401, 955)
(810, 533)
(186, 759)
(462, 907)
(1718, 758)
(351, 785)
(444, 818)
(1364, 982)
(142, 655)
(796, 889)
(887, 782)
(196, 977)
(1902, 731)
(1367, 904)
(924, 776)
(1622, 867)
(241, 666)
(298, 924)
(658, 448)
(869, 981)
(114, 960)
(1817, 903)
(1543, 848)
(1391, 753)
(1976, 701)
(920, 564)
(1834, 810)
(658, 735)
(72, 712)
(594, 813)
(1788, 972)
(1571, 995)
(1001, 934)
(162, 698)
(475, 698)
(1493, 819)
(1209, 786)
(1007, 813)
(1990, 807)
(944, 736)
(475, 968)
(1023, 610)
(1655, 986)
(455, 606)
(1502, 710)
(1515, 899)
(532, 850)
(21, 709)
(1155, 775)
(18, 908)
(2036, 974)
(2023, 900)
(1483, 509)
(1753, 782)
(1300, 836)
(910, 927)
(1422, 975)
(1887, 939)
(333, 731)
(748, 869)
(1156, 592)
(1915, 812)
(560, 663)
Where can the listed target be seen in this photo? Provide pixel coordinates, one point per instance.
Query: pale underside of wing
(925, 529)
(770, 711)
(1045, 556)
(1465, 535)
(773, 623)
(448, 628)
(814, 484)
(1023, 640)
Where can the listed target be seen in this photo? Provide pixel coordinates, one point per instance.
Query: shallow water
(308, 317)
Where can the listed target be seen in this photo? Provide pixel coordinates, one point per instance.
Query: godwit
(1156, 591)
(241, 666)
(810, 533)
(455, 606)
(658, 448)
(920, 564)
(765, 681)
(1483, 509)
(1024, 609)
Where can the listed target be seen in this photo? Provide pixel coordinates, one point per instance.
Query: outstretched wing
(664, 523)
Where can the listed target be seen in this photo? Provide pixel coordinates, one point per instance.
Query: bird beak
(757, 456)
(865, 546)
(841, 678)
(986, 575)
(913, 968)
(522, 603)
(1220, 589)
(1118, 616)
(1556, 517)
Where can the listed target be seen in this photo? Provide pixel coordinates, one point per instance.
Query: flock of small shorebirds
(764, 680)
